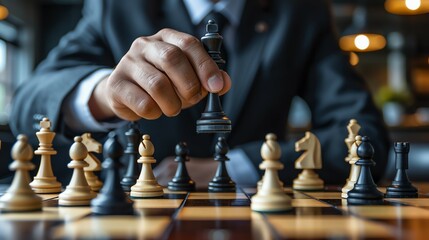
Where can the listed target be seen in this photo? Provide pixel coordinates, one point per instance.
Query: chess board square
(327, 227)
(207, 195)
(214, 229)
(324, 195)
(213, 213)
(108, 227)
(157, 203)
(217, 202)
(417, 202)
(388, 212)
(48, 214)
(308, 203)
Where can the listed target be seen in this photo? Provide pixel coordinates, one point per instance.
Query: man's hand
(160, 74)
(201, 170)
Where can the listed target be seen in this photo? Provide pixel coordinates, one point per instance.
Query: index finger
(206, 69)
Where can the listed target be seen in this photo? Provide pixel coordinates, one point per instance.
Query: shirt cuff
(241, 169)
(77, 114)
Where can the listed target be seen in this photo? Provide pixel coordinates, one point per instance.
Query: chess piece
(94, 163)
(354, 169)
(131, 152)
(353, 128)
(259, 183)
(181, 180)
(309, 160)
(19, 197)
(365, 191)
(112, 200)
(213, 119)
(221, 182)
(401, 186)
(146, 185)
(45, 181)
(78, 192)
(271, 197)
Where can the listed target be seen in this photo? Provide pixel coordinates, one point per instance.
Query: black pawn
(365, 191)
(213, 119)
(131, 152)
(401, 186)
(181, 180)
(112, 200)
(221, 181)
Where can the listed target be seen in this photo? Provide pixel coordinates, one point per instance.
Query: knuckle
(192, 90)
(156, 83)
(139, 42)
(171, 55)
(148, 109)
(205, 64)
(188, 42)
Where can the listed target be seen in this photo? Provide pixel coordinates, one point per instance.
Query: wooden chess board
(202, 215)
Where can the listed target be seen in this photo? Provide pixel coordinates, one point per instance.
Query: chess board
(203, 215)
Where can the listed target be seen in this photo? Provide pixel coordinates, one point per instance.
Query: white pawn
(45, 181)
(20, 197)
(146, 185)
(78, 192)
(271, 197)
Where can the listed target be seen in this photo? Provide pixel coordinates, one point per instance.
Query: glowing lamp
(407, 7)
(3, 12)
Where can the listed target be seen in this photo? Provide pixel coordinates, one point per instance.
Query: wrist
(98, 104)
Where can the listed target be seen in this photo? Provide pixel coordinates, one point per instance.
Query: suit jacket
(296, 53)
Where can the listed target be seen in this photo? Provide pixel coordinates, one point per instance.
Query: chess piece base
(308, 180)
(271, 203)
(395, 191)
(181, 186)
(24, 202)
(227, 186)
(101, 207)
(76, 196)
(146, 189)
(364, 196)
(45, 185)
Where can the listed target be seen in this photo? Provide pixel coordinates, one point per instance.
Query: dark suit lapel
(245, 57)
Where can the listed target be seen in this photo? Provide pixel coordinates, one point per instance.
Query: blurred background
(387, 41)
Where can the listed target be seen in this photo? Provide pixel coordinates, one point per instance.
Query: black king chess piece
(181, 180)
(365, 191)
(131, 151)
(112, 200)
(221, 182)
(401, 186)
(213, 119)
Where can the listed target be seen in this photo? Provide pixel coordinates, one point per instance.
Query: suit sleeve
(335, 93)
(78, 54)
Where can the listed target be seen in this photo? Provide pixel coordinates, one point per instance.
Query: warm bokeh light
(407, 7)
(3, 12)
(354, 59)
(361, 42)
(413, 4)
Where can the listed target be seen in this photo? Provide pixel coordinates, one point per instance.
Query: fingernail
(215, 83)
